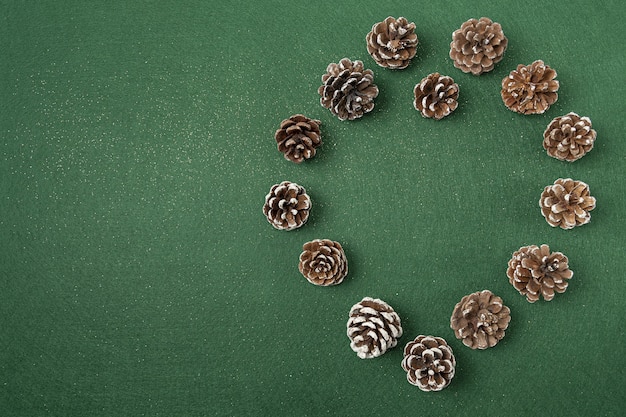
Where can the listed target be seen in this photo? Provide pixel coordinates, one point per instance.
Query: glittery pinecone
(323, 262)
(530, 89)
(429, 363)
(287, 206)
(569, 137)
(348, 90)
(298, 137)
(480, 319)
(373, 327)
(535, 271)
(436, 96)
(567, 203)
(392, 42)
(478, 45)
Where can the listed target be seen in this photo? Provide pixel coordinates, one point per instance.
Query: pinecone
(436, 96)
(392, 42)
(569, 137)
(530, 89)
(535, 271)
(373, 327)
(478, 45)
(429, 363)
(323, 262)
(348, 90)
(287, 206)
(480, 319)
(567, 203)
(298, 137)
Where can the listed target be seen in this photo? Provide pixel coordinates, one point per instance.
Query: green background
(140, 277)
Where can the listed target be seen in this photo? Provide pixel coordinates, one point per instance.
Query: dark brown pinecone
(429, 363)
(298, 137)
(373, 327)
(478, 45)
(567, 203)
(392, 42)
(480, 319)
(535, 271)
(323, 262)
(530, 89)
(348, 90)
(569, 137)
(436, 96)
(287, 206)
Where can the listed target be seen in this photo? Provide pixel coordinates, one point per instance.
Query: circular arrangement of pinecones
(436, 96)
(429, 363)
(480, 319)
(348, 89)
(298, 137)
(373, 327)
(569, 137)
(392, 42)
(287, 206)
(478, 45)
(323, 262)
(567, 203)
(534, 271)
(530, 89)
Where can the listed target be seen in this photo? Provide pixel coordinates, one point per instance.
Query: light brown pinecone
(373, 327)
(436, 96)
(567, 203)
(392, 42)
(429, 363)
(298, 137)
(480, 319)
(569, 137)
(478, 45)
(530, 89)
(287, 206)
(323, 262)
(535, 271)
(348, 90)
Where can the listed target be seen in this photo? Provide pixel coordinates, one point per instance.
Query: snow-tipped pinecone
(392, 42)
(535, 271)
(530, 89)
(567, 203)
(436, 96)
(287, 206)
(478, 45)
(429, 363)
(323, 262)
(569, 137)
(298, 137)
(348, 90)
(373, 327)
(480, 319)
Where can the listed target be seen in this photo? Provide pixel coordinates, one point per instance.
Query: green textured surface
(138, 275)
